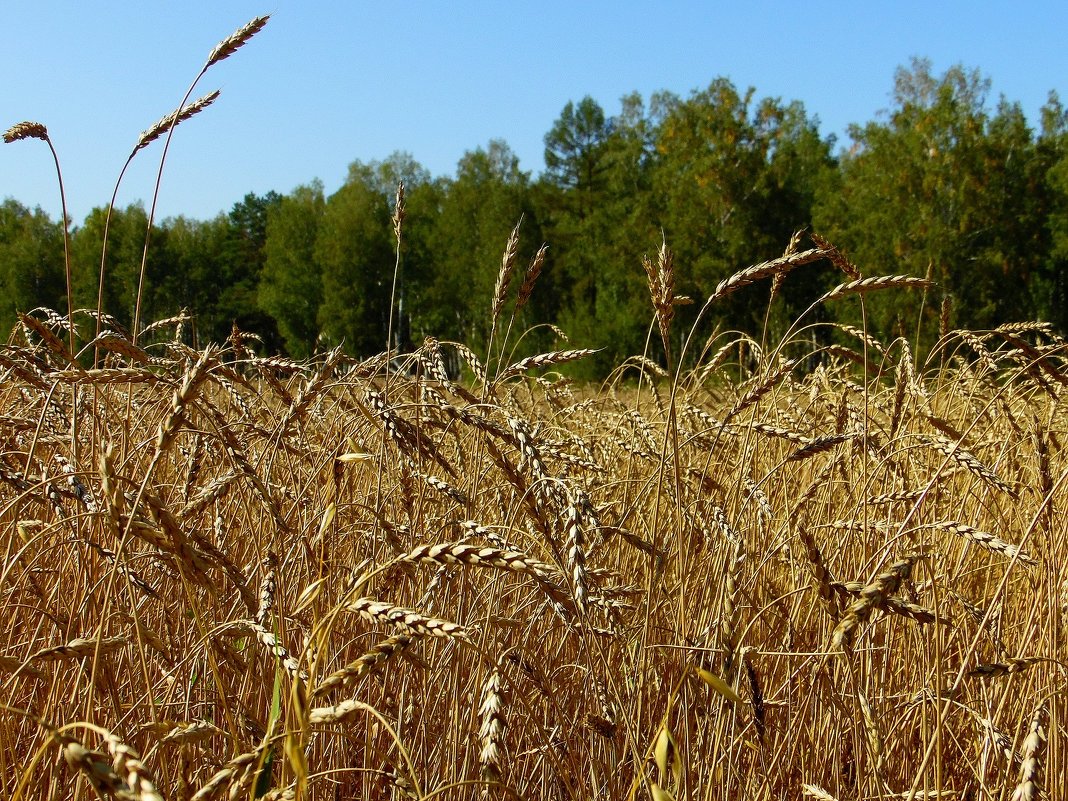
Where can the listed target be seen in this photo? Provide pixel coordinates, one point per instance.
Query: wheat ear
(379, 654)
(874, 283)
(1033, 763)
(491, 729)
(869, 599)
(408, 620)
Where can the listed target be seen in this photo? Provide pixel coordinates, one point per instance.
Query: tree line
(944, 184)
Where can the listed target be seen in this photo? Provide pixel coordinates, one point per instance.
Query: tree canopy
(946, 184)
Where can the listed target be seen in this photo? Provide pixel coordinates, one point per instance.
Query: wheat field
(781, 573)
(784, 570)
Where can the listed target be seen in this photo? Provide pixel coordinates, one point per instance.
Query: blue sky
(326, 83)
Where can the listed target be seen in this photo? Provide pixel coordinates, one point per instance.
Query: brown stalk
(223, 50)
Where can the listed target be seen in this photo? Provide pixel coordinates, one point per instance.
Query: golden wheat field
(780, 574)
(790, 570)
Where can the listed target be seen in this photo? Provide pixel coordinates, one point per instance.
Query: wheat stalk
(984, 540)
(504, 278)
(821, 576)
(408, 620)
(966, 460)
(267, 589)
(1033, 762)
(873, 284)
(127, 762)
(80, 648)
(763, 270)
(576, 538)
(153, 133)
(477, 556)
(228, 46)
(869, 598)
(269, 641)
(899, 606)
(236, 768)
(95, 766)
(491, 729)
(526, 289)
(26, 130)
(379, 654)
(991, 670)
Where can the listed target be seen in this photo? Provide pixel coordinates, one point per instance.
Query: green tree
(31, 262)
(738, 177)
(384, 176)
(479, 208)
(245, 257)
(599, 218)
(574, 155)
(1053, 150)
(417, 267)
(420, 313)
(290, 288)
(943, 187)
(126, 242)
(355, 254)
(195, 276)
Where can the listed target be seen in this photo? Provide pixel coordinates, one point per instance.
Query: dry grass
(738, 580)
(589, 596)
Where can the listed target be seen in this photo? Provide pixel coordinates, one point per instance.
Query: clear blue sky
(327, 83)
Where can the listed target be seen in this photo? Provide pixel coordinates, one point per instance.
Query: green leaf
(263, 778)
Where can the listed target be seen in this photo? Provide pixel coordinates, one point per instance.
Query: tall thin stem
(35, 130)
(70, 301)
(103, 259)
(399, 213)
(181, 114)
(155, 199)
(66, 246)
(226, 48)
